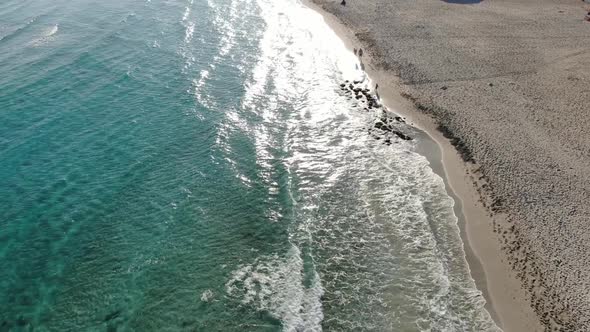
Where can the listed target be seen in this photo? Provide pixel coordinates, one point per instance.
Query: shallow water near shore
(195, 165)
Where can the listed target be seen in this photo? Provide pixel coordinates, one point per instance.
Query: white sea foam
(187, 10)
(47, 35)
(207, 296)
(198, 89)
(51, 31)
(376, 215)
(188, 34)
(276, 284)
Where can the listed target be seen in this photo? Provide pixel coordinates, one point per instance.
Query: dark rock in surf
(402, 135)
(381, 125)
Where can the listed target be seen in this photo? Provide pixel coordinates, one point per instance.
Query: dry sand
(508, 84)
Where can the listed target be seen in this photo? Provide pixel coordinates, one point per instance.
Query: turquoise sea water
(194, 166)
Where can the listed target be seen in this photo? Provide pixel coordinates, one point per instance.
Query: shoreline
(506, 301)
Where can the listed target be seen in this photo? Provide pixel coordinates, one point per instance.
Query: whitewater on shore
(208, 168)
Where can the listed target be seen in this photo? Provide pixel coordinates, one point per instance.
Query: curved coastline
(506, 301)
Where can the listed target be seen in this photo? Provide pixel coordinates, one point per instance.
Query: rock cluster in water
(362, 94)
(387, 125)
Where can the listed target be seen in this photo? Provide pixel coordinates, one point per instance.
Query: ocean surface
(194, 165)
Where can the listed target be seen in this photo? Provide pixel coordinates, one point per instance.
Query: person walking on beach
(361, 52)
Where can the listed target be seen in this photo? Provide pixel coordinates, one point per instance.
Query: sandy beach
(503, 87)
